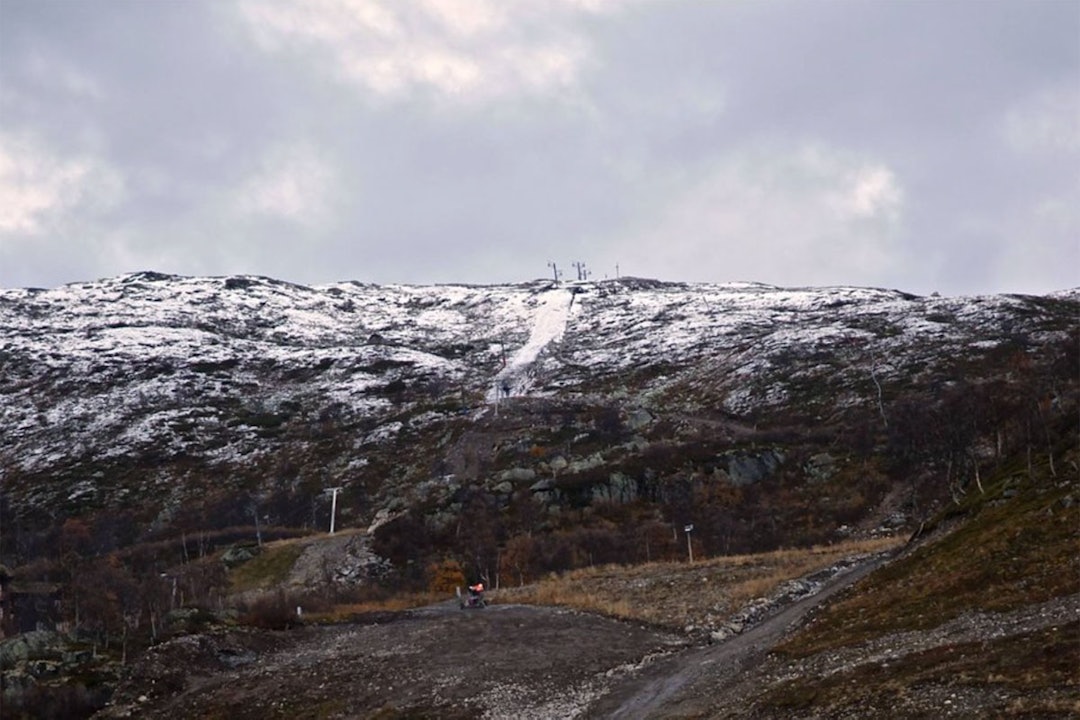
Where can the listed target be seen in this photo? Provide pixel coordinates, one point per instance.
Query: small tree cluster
(445, 576)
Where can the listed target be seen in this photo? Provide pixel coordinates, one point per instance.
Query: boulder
(517, 474)
(239, 554)
(543, 485)
(820, 467)
(383, 516)
(619, 489)
(36, 645)
(748, 468)
(639, 419)
(593, 461)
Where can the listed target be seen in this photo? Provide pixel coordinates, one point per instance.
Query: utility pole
(258, 530)
(582, 273)
(333, 505)
(689, 547)
(555, 271)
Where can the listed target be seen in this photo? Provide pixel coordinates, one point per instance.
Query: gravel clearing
(533, 663)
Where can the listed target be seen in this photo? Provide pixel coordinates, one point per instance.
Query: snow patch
(548, 326)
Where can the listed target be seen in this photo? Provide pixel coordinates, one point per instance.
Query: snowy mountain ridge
(151, 387)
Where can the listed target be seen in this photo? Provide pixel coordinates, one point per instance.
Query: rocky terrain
(154, 392)
(506, 661)
(516, 661)
(167, 445)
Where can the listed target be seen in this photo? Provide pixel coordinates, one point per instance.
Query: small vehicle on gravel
(474, 598)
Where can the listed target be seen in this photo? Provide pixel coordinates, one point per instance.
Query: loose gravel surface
(504, 661)
(527, 662)
(687, 684)
(971, 643)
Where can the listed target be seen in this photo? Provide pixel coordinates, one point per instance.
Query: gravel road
(680, 684)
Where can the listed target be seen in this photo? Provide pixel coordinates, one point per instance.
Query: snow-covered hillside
(135, 385)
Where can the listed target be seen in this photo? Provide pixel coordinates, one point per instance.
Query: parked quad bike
(471, 600)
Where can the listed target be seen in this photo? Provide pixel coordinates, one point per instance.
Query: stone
(720, 634)
(77, 657)
(619, 488)
(593, 461)
(820, 467)
(639, 419)
(383, 516)
(746, 469)
(238, 555)
(542, 485)
(517, 474)
(36, 645)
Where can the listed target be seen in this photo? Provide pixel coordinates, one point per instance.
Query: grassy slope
(270, 568)
(1014, 546)
(1011, 552)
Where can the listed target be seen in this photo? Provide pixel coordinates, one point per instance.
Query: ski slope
(548, 326)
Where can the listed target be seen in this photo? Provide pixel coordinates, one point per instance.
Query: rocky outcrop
(44, 673)
(618, 489)
(746, 468)
(345, 559)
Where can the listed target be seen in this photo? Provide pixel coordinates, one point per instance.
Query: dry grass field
(681, 595)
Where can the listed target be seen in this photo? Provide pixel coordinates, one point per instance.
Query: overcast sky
(925, 145)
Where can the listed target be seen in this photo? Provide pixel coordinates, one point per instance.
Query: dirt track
(704, 679)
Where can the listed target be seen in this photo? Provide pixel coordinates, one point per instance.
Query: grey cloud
(674, 138)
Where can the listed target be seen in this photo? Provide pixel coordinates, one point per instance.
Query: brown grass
(271, 567)
(681, 594)
(631, 592)
(344, 612)
(268, 569)
(1008, 548)
(1009, 553)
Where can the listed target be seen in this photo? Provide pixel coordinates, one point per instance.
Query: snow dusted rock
(558, 463)
(151, 390)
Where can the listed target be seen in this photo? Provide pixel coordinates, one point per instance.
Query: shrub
(272, 611)
(445, 576)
